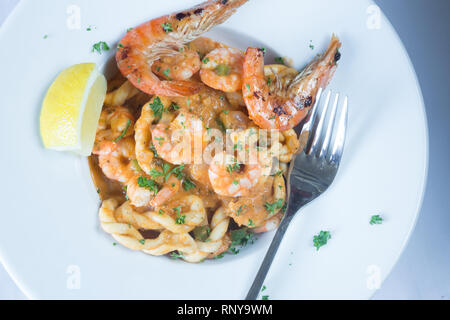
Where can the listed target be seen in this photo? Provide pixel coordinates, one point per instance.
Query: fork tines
(326, 127)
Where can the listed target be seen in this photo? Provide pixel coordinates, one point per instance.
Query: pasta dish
(195, 137)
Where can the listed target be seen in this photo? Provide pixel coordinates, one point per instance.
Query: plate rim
(424, 175)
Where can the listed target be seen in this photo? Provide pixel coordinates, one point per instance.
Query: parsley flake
(124, 132)
(100, 46)
(321, 239)
(167, 27)
(376, 219)
(147, 183)
(157, 107)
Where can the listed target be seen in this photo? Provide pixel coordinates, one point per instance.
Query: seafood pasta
(195, 136)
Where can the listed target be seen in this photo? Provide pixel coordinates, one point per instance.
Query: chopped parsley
(125, 188)
(188, 184)
(279, 60)
(263, 288)
(233, 167)
(100, 46)
(142, 241)
(180, 218)
(124, 132)
(161, 211)
(250, 223)
(166, 72)
(376, 219)
(177, 172)
(175, 255)
(321, 239)
(206, 60)
(263, 50)
(153, 149)
(311, 46)
(147, 183)
(202, 233)
(221, 124)
(265, 298)
(222, 70)
(160, 140)
(241, 237)
(220, 256)
(226, 111)
(239, 211)
(45, 36)
(129, 29)
(167, 27)
(174, 107)
(248, 86)
(274, 207)
(120, 45)
(156, 174)
(157, 107)
(269, 81)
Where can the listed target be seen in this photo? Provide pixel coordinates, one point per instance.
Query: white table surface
(423, 270)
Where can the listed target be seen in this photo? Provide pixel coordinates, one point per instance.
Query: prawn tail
(212, 13)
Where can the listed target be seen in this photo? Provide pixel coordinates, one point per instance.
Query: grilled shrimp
(115, 159)
(181, 140)
(161, 37)
(287, 105)
(222, 69)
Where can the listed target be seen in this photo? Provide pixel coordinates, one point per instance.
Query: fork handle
(267, 262)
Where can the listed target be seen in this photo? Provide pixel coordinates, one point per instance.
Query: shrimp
(269, 225)
(161, 37)
(262, 211)
(114, 122)
(181, 140)
(143, 137)
(222, 69)
(204, 45)
(287, 105)
(179, 67)
(230, 179)
(140, 195)
(115, 159)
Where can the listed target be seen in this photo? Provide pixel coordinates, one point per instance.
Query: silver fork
(313, 169)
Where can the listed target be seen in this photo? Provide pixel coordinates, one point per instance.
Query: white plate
(49, 231)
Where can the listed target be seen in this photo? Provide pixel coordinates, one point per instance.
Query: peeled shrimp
(182, 141)
(115, 159)
(114, 122)
(204, 45)
(142, 197)
(161, 37)
(287, 105)
(143, 136)
(231, 179)
(222, 69)
(262, 211)
(179, 67)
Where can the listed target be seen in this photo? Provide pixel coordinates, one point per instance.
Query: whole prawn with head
(161, 42)
(282, 107)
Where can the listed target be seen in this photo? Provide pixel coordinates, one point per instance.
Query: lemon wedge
(71, 109)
